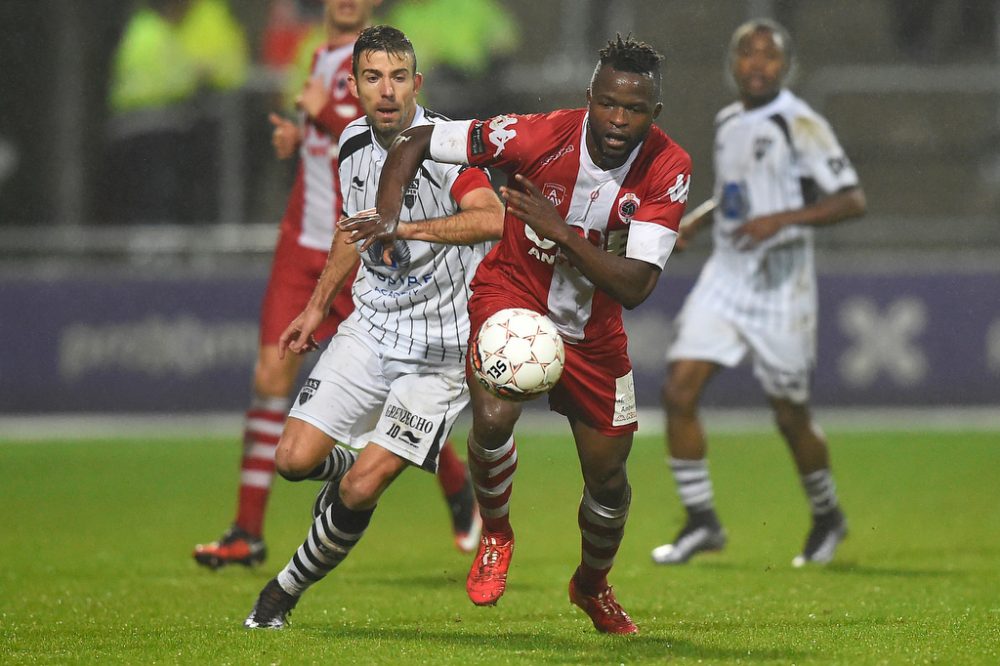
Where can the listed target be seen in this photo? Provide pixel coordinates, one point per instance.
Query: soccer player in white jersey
(326, 107)
(592, 213)
(757, 293)
(393, 377)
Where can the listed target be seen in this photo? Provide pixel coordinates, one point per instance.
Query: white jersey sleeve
(450, 141)
(820, 156)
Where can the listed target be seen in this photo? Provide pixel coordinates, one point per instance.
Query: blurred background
(138, 215)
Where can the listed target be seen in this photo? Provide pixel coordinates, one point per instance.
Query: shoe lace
(273, 603)
(609, 605)
(491, 556)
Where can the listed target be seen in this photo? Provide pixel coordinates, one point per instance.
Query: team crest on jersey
(499, 134)
(554, 192)
(340, 84)
(628, 204)
(760, 146)
(308, 391)
(410, 197)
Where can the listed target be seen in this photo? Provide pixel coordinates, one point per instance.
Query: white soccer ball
(517, 354)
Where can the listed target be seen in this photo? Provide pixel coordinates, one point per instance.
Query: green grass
(95, 541)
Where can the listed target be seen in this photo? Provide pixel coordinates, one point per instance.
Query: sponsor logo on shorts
(625, 409)
(308, 391)
(407, 426)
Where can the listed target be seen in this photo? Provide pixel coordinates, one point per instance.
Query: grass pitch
(95, 542)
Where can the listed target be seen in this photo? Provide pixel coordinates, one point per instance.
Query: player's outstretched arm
(628, 281)
(298, 337)
(405, 155)
(479, 219)
(692, 222)
(843, 205)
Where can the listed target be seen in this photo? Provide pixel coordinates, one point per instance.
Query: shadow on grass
(838, 568)
(549, 646)
(852, 569)
(446, 580)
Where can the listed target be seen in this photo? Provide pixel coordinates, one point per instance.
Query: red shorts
(294, 273)
(595, 372)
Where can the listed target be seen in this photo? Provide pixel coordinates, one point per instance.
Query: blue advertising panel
(188, 344)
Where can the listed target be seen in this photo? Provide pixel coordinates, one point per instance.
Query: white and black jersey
(777, 157)
(418, 305)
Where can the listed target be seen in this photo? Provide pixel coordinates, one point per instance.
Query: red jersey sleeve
(470, 178)
(667, 189)
(501, 141)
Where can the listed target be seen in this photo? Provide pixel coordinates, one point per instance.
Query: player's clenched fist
(314, 96)
(285, 137)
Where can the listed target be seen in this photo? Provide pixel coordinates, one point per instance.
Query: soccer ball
(517, 354)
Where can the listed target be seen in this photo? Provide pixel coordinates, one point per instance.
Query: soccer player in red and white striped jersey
(326, 107)
(592, 216)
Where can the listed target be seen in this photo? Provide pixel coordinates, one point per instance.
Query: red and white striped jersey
(631, 211)
(314, 203)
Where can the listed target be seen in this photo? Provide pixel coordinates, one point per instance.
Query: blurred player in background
(327, 105)
(393, 376)
(592, 214)
(774, 156)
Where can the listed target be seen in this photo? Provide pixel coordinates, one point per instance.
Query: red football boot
(488, 577)
(604, 611)
(235, 547)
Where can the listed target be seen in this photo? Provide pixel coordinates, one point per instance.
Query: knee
(608, 486)
(272, 379)
(791, 420)
(492, 425)
(680, 397)
(294, 459)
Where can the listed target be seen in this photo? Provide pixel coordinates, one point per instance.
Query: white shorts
(783, 356)
(361, 392)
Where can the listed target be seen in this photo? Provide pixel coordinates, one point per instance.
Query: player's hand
(285, 137)
(313, 97)
(685, 236)
(298, 337)
(533, 208)
(759, 229)
(368, 228)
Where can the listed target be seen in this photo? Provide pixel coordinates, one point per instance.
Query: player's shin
(493, 478)
(601, 529)
(332, 536)
(262, 430)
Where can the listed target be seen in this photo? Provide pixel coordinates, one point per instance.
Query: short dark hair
(383, 38)
(778, 31)
(630, 55)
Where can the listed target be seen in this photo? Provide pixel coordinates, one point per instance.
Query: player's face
(350, 15)
(387, 87)
(622, 106)
(758, 67)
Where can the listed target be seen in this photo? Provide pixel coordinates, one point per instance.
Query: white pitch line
(535, 419)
